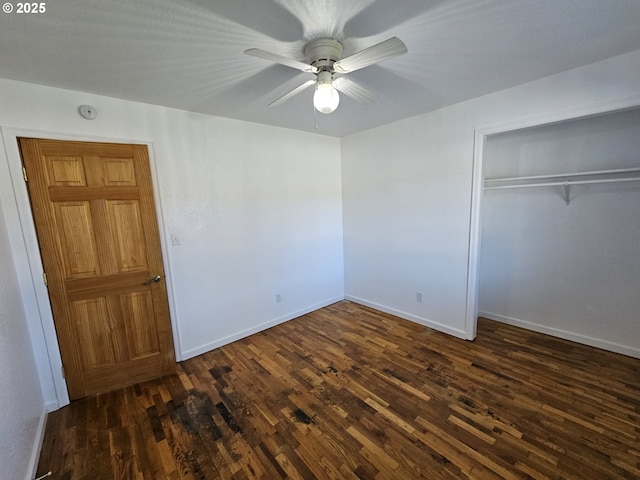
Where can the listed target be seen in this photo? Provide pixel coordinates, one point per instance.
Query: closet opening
(559, 230)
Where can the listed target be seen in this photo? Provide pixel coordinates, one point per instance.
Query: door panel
(66, 172)
(91, 320)
(137, 306)
(77, 239)
(128, 236)
(119, 172)
(96, 224)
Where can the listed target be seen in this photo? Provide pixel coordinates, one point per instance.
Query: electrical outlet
(419, 297)
(278, 298)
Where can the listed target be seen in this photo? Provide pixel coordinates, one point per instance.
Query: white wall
(257, 210)
(572, 271)
(21, 404)
(407, 191)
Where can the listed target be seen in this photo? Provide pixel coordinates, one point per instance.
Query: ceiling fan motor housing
(323, 53)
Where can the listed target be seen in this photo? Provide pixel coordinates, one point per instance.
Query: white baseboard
(556, 332)
(52, 406)
(37, 444)
(194, 352)
(409, 316)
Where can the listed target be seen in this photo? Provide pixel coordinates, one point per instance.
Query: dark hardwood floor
(349, 392)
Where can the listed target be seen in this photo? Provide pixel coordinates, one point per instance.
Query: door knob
(153, 279)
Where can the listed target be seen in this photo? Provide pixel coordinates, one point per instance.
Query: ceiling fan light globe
(326, 98)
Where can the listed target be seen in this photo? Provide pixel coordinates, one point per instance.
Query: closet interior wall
(569, 270)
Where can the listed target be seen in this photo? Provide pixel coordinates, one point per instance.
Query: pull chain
(315, 117)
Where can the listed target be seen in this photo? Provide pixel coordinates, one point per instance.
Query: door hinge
(24, 174)
(44, 279)
(63, 374)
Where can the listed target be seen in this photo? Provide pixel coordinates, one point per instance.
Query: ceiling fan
(324, 59)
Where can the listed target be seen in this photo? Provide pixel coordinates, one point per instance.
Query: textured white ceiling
(188, 54)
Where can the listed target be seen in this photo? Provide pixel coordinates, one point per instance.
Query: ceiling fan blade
(305, 67)
(293, 92)
(377, 53)
(355, 91)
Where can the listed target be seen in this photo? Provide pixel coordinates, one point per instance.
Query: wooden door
(96, 224)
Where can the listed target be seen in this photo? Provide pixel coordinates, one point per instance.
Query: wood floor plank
(350, 392)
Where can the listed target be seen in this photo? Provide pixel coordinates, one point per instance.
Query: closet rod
(568, 182)
(565, 175)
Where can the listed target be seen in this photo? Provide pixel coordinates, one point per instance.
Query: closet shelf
(565, 180)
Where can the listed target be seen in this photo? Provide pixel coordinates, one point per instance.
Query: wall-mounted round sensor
(88, 112)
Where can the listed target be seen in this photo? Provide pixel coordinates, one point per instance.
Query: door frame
(477, 190)
(26, 256)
